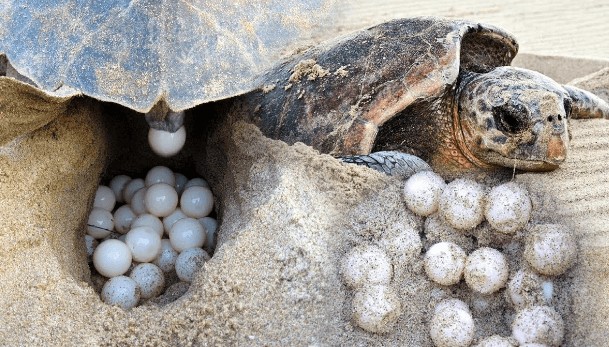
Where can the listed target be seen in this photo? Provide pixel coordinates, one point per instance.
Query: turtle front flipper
(586, 105)
(392, 163)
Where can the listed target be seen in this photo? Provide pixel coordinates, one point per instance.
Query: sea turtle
(440, 89)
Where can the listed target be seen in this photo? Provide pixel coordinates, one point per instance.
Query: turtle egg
(495, 341)
(175, 216)
(123, 218)
(138, 205)
(144, 243)
(160, 174)
(452, 326)
(150, 221)
(166, 259)
(100, 223)
(112, 258)
(161, 199)
(104, 198)
(117, 184)
(526, 289)
(131, 188)
(181, 181)
(486, 270)
(149, 278)
(197, 202)
(196, 182)
(211, 225)
(121, 291)
(90, 243)
(366, 265)
(189, 262)
(422, 192)
(187, 233)
(550, 249)
(461, 204)
(444, 263)
(375, 308)
(165, 143)
(508, 207)
(538, 324)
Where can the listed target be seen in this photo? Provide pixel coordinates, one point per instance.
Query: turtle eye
(567, 105)
(510, 119)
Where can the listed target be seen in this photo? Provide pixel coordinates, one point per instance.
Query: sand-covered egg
(452, 324)
(149, 278)
(550, 249)
(112, 258)
(486, 270)
(375, 308)
(462, 204)
(538, 324)
(508, 207)
(166, 259)
(495, 341)
(189, 262)
(444, 263)
(422, 192)
(121, 291)
(366, 265)
(526, 288)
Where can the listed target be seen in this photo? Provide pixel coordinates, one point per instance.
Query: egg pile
(157, 238)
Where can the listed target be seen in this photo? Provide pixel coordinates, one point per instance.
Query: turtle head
(514, 118)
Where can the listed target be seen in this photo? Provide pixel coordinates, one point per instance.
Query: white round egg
(144, 243)
(196, 182)
(508, 207)
(375, 308)
(538, 324)
(165, 143)
(187, 233)
(189, 262)
(422, 192)
(161, 199)
(104, 198)
(486, 270)
(100, 223)
(462, 204)
(117, 184)
(166, 259)
(149, 220)
(211, 225)
(495, 341)
(550, 249)
(181, 181)
(444, 263)
(131, 188)
(366, 265)
(121, 291)
(123, 218)
(525, 288)
(112, 258)
(138, 205)
(197, 202)
(451, 325)
(149, 278)
(160, 174)
(175, 216)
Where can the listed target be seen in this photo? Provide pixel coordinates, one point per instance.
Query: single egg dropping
(550, 249)
(197, 202)
(422, 192)
(452, 326)
(376, 308)
(211, 225)
(121, 291)
(161, 199)
(444, 263)
(495, 341)
(90, 244)
(461, 204)
(165, 143)
(366, 265)
(196, 182)
(149, 278)
(160, 174)
(144, 243)
(131, 188)
(486, 270)
(104, 198)
(150, 221)
(508, 207)
(112, 258)
(170, 220)
(526, 289)
(138, 205)
(189, 262)
(538, 324)
(100, 223)
(187, 233)
(166, 259)
(117, 184)
(123, 218)
(181, 181)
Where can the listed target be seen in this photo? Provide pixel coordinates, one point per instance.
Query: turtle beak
(557, 150)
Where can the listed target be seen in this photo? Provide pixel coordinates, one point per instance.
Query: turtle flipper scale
(585, 105)
(392, 163)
